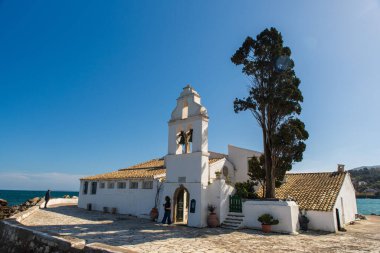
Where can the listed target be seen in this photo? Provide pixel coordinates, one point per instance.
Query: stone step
(232, 222)
(235, 214)
(235, 218)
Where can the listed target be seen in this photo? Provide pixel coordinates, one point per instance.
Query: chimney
(340, 168)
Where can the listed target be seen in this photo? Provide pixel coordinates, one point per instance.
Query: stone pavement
(146, 236)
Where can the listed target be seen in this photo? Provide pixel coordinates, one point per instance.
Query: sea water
(368, 206)
(18, 197)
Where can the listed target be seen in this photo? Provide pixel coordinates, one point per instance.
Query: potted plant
(212, 219)
(218, 174)
(154, 212)
(267, 221)
(304, 221)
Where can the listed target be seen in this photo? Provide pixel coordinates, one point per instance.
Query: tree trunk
(269, 177)
(269, 172)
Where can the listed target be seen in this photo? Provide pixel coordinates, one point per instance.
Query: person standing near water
(167, 208)
(47, 197)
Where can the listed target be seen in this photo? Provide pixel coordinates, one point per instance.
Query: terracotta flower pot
(212, 220)
(266, 228)
(154, 213)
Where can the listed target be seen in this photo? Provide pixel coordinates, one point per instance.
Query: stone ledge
(23, 215)
(15, 237)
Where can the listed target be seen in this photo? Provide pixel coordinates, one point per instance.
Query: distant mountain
(366, 180)
(368, 167)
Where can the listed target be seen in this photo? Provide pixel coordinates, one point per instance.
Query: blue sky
(88, 86)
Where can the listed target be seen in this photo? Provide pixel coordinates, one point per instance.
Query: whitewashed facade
(188, 175)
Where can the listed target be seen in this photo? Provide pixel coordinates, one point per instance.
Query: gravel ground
(145, 236)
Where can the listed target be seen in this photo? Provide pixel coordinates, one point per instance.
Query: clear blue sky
(88, 86)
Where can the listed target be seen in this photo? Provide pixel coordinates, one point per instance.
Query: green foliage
(246, 190)
(256, 170)
(267, 219)
(369, 178)
(274, 100)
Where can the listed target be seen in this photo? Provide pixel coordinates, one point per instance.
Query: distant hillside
(366, 180)
(368, 167)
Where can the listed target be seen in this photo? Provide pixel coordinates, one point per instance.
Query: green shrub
(267, 219)
(246, 190)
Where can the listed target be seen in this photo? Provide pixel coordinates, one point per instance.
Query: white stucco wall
(60, 201)
(193, 166)
(218, 166)
(239, 158)
(136, 202)
(218, 195)
(346, 201)
(323, 221)
(286, 212)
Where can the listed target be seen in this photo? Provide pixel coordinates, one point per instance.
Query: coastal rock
(5, 212)
(3, 202)
(360, 217)
(66, 196)
(34, 201)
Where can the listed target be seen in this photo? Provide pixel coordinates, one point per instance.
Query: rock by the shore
(3, 202)
(66, 196)
(360, 217)
(7, 211)
(34, 201)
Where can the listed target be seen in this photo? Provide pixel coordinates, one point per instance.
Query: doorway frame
(175, 196)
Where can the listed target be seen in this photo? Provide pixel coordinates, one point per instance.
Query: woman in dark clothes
(167, 208)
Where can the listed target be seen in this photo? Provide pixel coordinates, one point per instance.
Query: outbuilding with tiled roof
(323, 196)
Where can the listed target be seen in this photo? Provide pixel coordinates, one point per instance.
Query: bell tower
(188, 125)
(187, 161)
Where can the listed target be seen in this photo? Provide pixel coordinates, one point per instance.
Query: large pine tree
(274, 99)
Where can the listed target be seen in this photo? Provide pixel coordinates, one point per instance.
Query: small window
(121, 185)
(85, 188)
(93, 187)
(147, 185)
(111, 185)
(102, 185)
(133, 185)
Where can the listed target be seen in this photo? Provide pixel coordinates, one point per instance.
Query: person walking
(167, 208)
(47, 197)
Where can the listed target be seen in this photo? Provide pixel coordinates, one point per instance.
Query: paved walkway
(145, 236)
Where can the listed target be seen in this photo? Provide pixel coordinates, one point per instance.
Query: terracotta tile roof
(154, 163)
(147, 169)
(128, 173)
(312, 191)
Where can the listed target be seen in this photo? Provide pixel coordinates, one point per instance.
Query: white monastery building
(194, 177)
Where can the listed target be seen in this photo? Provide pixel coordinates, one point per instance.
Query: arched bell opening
(181, 205)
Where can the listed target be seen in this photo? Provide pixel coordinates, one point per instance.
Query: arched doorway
(181, 205)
